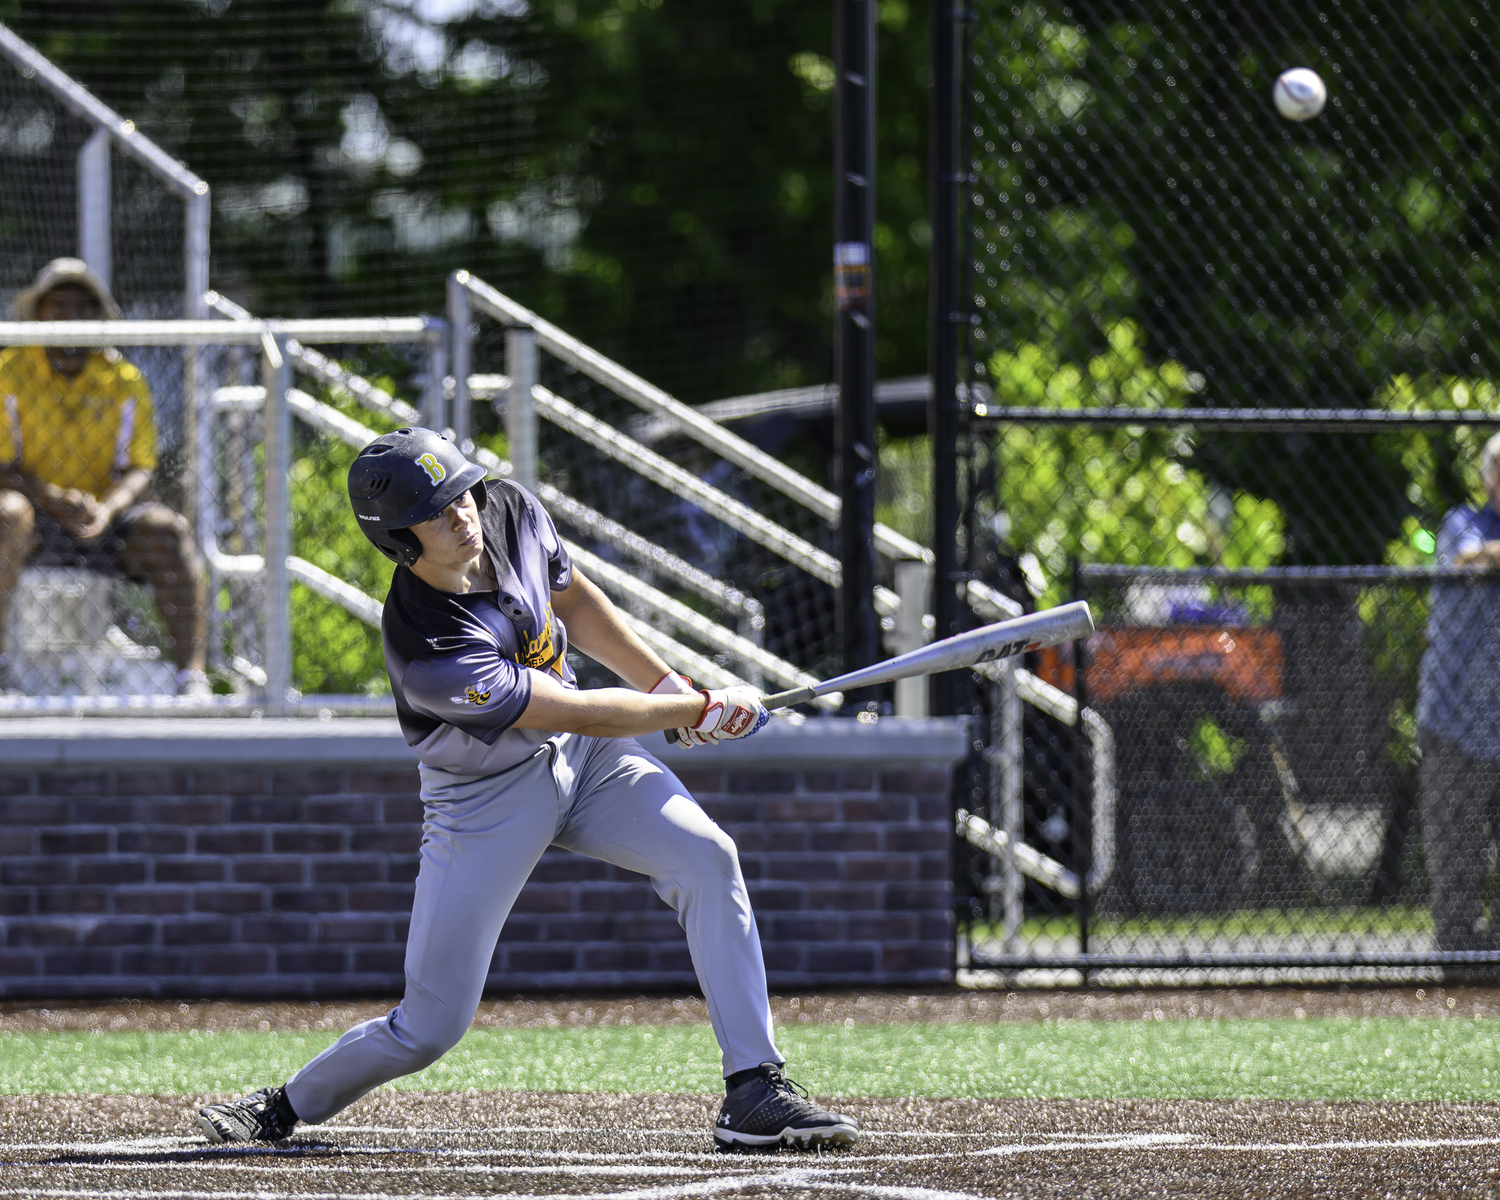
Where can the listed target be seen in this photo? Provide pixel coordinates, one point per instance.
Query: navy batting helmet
(404, 478)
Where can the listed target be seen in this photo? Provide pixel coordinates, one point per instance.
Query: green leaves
(1116, 495)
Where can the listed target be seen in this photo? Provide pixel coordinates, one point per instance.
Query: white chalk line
(243, 1158)
(299, 1149)
(1123, 1141)
(304, 1162)
(811, 1178)
(1051, 1142)
(804, 1178)
(1395, 1144)
(1187, 1141)
(475, 1130)
(301, 1167)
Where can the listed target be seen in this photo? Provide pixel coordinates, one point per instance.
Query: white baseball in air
(1299, 94)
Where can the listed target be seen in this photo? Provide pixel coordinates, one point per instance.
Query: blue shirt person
(1458, 723)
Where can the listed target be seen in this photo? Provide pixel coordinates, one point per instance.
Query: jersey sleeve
(475, 689)
(137, 444)
(1460, 534)
(559, 564)
(10, 411)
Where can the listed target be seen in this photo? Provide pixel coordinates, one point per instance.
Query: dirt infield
(658, 1148)
(650, 1147)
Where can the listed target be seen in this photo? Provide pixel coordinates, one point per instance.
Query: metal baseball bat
(1003, 639)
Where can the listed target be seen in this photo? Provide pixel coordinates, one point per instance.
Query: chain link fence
(166, 612)
(61, 183)
(1231, 382)
(654, 500)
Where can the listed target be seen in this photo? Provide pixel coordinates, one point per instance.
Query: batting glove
(731, 713)
(673, 684)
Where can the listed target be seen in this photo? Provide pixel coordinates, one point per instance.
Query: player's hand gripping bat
(1003, 639)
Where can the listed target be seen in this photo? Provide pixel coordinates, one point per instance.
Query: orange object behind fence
(1246, 661)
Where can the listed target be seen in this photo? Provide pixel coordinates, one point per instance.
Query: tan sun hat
(56, 273)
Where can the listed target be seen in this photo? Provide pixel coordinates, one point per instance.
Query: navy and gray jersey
(461, 666)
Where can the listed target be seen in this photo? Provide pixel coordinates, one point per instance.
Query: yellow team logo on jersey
(474, 696)
(539, 651)
(435, 470)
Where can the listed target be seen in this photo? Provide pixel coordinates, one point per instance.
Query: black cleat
(263, 1116)
(770, 1110)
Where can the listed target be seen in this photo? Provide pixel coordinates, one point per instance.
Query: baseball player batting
(514, 758)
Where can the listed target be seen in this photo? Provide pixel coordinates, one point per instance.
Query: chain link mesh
(1145, 232)
(40, 141)
(797, 609)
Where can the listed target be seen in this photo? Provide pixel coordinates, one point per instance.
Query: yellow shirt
(75, 433)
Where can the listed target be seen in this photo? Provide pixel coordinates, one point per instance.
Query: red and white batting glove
(730, 713)
(673, 684)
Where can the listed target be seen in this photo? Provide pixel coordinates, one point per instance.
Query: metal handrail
(817, 400)
(657, 558)
(1262, 420)
(330, 587)
(217, 333)
(329, 420)
(663, 472)
(1056, 703)
(328, 372)
(632, 387)
(131, 141)
(675, 479)
(97, 113)
(1374, 573)
(1028, 860)
(610, 577)
(680, 657)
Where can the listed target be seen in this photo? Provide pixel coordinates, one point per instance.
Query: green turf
(1330, 1059)
(1387, 920)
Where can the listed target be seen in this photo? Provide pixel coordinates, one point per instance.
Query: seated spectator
(78, 444)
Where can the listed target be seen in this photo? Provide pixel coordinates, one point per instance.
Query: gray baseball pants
(603, 797)
(1460, 806)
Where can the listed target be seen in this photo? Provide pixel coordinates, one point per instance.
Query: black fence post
(854, 339)
(1081, 818)
(943, 336)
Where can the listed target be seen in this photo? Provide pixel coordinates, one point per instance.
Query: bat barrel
(1004, 639)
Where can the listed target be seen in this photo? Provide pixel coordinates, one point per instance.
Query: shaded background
(653, 176)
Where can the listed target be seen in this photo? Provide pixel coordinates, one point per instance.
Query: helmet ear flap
(409, 548)
(481, 497)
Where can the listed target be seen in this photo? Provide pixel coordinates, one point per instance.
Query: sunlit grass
(1383, 1058)
(1392, 920)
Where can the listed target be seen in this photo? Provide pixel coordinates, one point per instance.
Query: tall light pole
(944, 316)
(854, 336)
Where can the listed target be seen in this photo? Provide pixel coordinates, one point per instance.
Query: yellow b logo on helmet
(435, 470)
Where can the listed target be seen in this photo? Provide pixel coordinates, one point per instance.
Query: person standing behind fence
(78, 448)
(1458, 724)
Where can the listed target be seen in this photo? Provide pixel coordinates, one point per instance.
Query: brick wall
(297, 880)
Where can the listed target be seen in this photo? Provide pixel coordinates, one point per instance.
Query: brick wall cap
(376, 741)
(830, 741)
(202, 741)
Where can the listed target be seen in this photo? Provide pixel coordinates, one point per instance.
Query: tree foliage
(654, 176)
(1125, 495)
(1129, 165)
